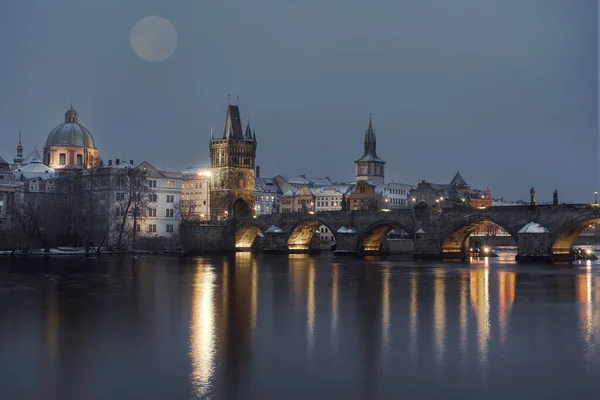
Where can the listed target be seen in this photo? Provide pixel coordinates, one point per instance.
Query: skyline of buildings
(231, 186)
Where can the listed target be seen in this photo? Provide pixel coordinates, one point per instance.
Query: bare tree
(186, 212)
(38, 218)
(132, 198)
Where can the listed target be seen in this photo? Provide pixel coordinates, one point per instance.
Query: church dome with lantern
(70, 145)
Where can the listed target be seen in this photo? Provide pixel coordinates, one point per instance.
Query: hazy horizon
(504, 92)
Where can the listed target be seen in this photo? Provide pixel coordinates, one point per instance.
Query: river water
(296, 327)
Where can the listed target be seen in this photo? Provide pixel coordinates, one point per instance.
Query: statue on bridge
(532, 193)
(555, 197)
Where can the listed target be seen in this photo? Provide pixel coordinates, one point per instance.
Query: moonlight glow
(153, 39)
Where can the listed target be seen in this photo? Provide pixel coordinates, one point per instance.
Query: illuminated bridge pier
(542, 233)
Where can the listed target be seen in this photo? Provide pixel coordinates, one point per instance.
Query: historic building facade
(9, 194)
(370, 167)
(70, 145)
(267, 195)
(232, 192)
(394, 195)
(196, 195)
(364, 197)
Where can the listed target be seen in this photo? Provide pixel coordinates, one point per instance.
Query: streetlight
(596, 197)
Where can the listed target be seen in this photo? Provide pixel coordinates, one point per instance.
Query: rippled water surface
(297, 327)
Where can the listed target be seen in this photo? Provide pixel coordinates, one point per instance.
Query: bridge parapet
(437, 232)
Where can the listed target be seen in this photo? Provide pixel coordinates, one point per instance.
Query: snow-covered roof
(266, 185)
(289, 193)
(295, 180)
(497, 203)
(420, 230)
(533, 227)
(343, 229)
(274, 229)
(326, 191)
(35, 169)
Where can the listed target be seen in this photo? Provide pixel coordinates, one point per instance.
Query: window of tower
(62, 157)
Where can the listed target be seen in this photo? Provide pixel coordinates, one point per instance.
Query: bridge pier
(427, 245)
(201, 239)
(274, 242)
(534, 247)
(346, 242)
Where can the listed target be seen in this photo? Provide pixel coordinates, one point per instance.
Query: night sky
(504, 91)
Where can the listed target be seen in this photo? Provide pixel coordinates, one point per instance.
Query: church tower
(232, 167)
(370, 167)
(19, 158)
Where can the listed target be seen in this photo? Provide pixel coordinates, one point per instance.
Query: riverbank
(79, 251)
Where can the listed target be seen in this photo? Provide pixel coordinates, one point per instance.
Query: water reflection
(439, 316)
(506, 297)
(463, 316)
(414, 315)
(243, 326)
(334, 304)
(587, 289)
(480, 300)
(310, 307)
(385, 307)
(202, 329)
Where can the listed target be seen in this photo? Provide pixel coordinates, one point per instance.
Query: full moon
(153, 39)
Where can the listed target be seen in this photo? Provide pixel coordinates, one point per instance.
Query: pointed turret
(254, 136)
(458, 180)
(248, 134)
(19, 158)
(370, 153)
(233, 124)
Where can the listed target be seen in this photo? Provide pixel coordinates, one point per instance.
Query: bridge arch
(372, 238)
(302, 233)
(245, 236)
(564, 237)
(453, 239)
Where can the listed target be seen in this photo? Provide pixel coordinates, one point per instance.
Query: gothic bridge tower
(232, 166)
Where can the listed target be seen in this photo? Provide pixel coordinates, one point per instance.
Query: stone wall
(199, 239)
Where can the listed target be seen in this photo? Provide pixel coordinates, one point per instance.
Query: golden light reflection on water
(463, 316)
(414, 315)
(587, 289)
(506, 297)
(439, 315)
(385, 306)
(334, 304)
(480, 300)
(310, 306)
(202, 329)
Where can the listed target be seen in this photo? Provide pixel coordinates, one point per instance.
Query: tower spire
(19, 158)
(370, 142)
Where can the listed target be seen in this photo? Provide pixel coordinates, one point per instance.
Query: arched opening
(307, 235)
(324, 239)
(241, 209)
(476, 234)
(246, 236)
(386, 237)
(582, 232)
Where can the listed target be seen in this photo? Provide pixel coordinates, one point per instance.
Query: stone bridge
(544, 232)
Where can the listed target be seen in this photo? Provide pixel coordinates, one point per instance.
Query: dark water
(296, 327)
